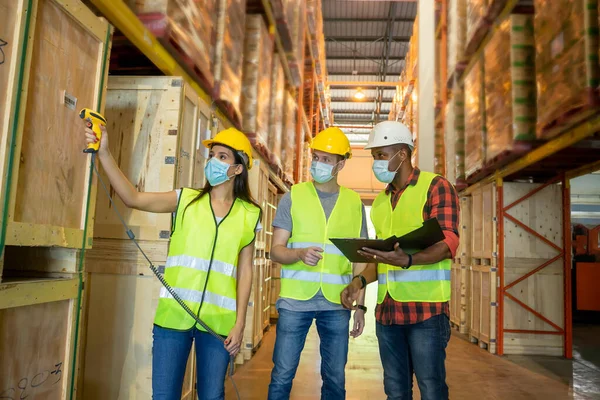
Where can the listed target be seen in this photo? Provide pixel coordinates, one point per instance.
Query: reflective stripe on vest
(408, 275)
(196, 296)
(419, 283)
(310, 276)
(310, 228)
(203, 259)
(200, 264)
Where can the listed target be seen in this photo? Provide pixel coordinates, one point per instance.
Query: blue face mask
(321, 172)
(382, 172)
(216, 172)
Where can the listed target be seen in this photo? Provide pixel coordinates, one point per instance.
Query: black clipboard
(421, 238)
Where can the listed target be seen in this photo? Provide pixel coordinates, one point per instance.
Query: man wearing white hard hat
(412, 313)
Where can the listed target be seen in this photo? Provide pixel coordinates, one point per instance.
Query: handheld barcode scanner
(96, 120)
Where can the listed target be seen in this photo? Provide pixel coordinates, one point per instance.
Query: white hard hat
(388, 133)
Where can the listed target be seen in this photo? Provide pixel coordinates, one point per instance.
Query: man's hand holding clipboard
(395, 257)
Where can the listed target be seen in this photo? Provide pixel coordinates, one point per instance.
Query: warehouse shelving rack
(571, 154)
(119, 15)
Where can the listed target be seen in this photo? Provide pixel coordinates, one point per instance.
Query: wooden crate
(118, 335)
(37, 347)
(482, 268)
(154, 137)
(52, 81)
(523, 253)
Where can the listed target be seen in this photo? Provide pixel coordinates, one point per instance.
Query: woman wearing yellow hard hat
(209, 264)
(313, 271)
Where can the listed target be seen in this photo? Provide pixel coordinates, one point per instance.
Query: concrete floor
(472, 373)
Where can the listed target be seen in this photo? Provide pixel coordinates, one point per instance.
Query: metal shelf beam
(121, 16)
(565, 140)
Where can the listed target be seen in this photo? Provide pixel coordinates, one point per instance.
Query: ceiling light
(359, 95)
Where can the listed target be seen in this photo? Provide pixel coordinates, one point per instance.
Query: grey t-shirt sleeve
(283, 215)
(364, 230)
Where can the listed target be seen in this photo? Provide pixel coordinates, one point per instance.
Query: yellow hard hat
(235, 139)
(332, 140)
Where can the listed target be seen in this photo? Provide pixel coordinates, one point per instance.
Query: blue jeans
(170, 352)
(419, 349)
(292, 328)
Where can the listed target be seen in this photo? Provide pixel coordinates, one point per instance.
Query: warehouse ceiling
(365, 41)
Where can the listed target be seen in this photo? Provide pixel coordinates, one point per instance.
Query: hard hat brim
(208, 143)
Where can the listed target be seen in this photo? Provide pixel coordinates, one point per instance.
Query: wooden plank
(475, 328)
(463, 253)
(477, 228)
(489, 225)
(201, 152)
(455, 295)
(73, 39)
(484, 333)
(483, 215)
(37, 361)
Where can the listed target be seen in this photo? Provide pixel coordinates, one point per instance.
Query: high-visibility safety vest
(200, 251)
(310, 228)
(419, 283)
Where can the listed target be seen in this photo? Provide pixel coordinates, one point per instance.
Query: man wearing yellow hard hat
(314, 271)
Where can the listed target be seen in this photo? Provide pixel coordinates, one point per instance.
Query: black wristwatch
(362, 280)
(361, 307)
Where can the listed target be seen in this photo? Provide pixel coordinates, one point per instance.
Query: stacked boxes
(510, 86)
(258, 61)
(566, 60)
(288, 147)
(229, 53)
(457, 32)
(474, 119)
(276, 106)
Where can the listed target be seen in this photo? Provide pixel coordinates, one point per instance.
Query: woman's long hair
(241, 187)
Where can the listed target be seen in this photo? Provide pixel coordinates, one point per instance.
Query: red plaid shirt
(442, 203)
